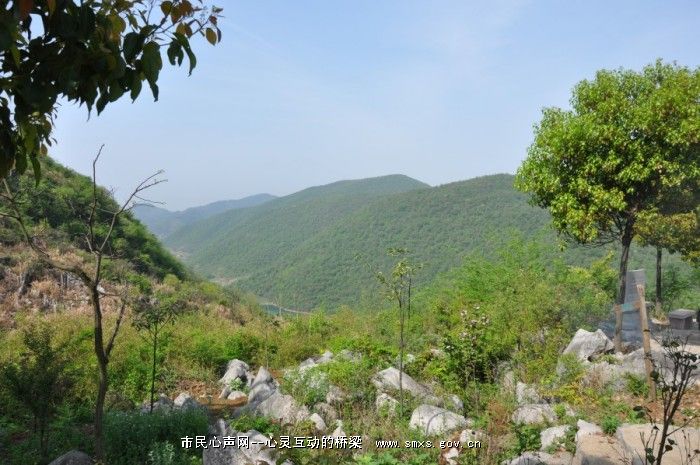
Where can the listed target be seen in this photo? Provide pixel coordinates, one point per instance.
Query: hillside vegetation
(316, 247)
(163, 222)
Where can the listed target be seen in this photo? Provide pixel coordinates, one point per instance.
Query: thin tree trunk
(102, 362)
(401, 325)
(624, 258)
(153, 369)
(658, 280)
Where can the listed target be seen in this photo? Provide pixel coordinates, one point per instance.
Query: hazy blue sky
(302, 93)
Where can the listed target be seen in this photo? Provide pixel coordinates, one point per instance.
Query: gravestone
(631, 326)
(681, 319)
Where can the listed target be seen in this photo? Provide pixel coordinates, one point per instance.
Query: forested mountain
(322, 246)
(163, 222)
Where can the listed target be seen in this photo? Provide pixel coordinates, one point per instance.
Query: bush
(528, 437)
(308, 386)
(132, 438)
(610, 424)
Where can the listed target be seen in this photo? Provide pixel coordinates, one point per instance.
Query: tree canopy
(90, 52)
(629, 137)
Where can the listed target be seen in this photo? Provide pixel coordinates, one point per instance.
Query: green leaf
(132, 46)
(211, 36)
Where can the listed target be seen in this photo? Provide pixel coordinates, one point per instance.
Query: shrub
(610, 424)
(528, 437)
(132, 437)
(308, 386)
(636, 385)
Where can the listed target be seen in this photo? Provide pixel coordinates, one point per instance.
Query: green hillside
(60, 204)
(301, 251)
(163, 222)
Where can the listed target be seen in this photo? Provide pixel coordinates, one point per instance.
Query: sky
(306, 93)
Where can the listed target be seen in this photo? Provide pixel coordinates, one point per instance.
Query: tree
(398, 288)
(90, 52)
(629, 137)
(151, 315)
(666, 228)
(40, 380)
(99, 228)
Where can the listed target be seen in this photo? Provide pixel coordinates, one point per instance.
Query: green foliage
(610, 424)
(260, 424)
(598, 165)
(58, 207)
(528, 437)
(131, 437)
(90, 53)
(40, 380)
(308, 386)
(636, 385)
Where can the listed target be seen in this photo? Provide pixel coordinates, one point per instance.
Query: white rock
(235, 395)
(161, 403)
(326, 411)
(553, 435)
(433, 420)
(455, 402)
(318, 422)
(283, 408)
(326, 357)
(586, 429)
(335, 395)
(225, 392)
(185, 401)
(339, 432)
(534, 413)
(389, 380)
(263, 386)
(542, 458)
(73, 457)
(235, 369)
(526, 394)
(306, 364)
(585, 345)
(386, 403)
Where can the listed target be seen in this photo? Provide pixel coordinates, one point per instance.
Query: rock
(283, 408)
(225, 392)
(407, 360)
(540, 458)
(335, 395)
(162, 403)
(586, 429)
(73, 457)
(262, 387)
(386, 404)
(257, 452)
(338, 432)
(389, 380)
(630, 439)
(433, 420)
(306, 364)
(450, 457)
(508, 382)
(551, 436)
(437, 353)
(326, 357)
(326, 411)
(455, 402)
(318, 422)
(526, 394)
(185, 401)
(534, 413)
(585, 345)
(349, 355)
(598, 450)
(235, 369)
(236, 395)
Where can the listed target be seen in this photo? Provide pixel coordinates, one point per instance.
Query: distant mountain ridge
(163, 222)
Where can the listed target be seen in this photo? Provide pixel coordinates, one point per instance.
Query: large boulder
(389, 380)
(318, 422)
(431, 420)
(73, 457)
(236, 370)
(262, 387)
(586, 345)
(327, 412)
(598, 450)
(283, 408)
(534, 413)
(162, 403)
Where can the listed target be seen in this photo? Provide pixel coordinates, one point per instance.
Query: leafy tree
(398, 286)
(40, 380)
(152, 314)
(90, 52)
(629, 137)
(98, 232)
